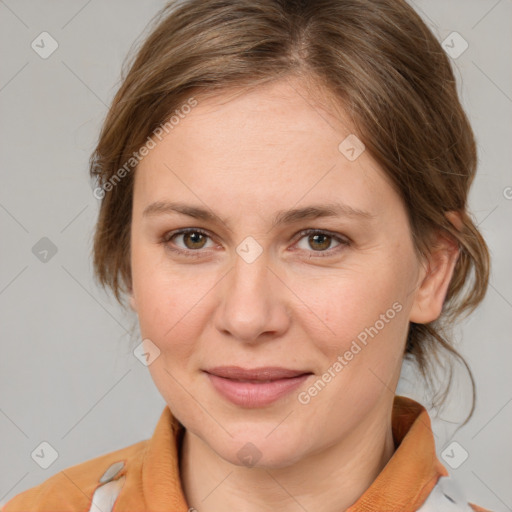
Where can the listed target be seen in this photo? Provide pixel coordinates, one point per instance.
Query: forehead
(281, 114)
(275, 143)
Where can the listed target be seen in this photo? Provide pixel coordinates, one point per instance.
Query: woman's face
(249, 287)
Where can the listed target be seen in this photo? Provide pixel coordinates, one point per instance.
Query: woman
(284, 205)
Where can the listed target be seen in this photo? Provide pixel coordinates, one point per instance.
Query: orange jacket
(145, 476)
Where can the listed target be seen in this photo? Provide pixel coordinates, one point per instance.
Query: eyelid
(167, 237)
(342, 239)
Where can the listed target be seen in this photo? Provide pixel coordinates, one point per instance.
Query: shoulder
(72, 488)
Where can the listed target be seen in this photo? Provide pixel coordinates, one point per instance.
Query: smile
(257, 387)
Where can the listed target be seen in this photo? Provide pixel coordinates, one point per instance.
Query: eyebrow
(281, 217)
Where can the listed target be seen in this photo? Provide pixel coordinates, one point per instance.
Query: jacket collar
(413, 470)
(403, 484)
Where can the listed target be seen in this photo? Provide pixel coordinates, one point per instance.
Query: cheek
(171, 309)
(160, 297)
(168, 318)
(363, 313)
(170, 323)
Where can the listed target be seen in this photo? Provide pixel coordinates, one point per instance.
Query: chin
(258, 450)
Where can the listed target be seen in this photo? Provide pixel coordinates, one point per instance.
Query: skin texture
(245, 157)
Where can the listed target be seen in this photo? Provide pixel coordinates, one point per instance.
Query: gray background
(67, 373)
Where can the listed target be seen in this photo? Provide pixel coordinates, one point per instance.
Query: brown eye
(320, 242)
(194, 240)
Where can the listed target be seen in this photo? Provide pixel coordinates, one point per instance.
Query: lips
(268, 373)
(256, 387)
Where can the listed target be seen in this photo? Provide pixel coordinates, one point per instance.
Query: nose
(253, 305)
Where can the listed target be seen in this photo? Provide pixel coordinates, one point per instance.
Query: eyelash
(167, 237)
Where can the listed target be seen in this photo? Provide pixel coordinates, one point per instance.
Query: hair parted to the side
(378, 61)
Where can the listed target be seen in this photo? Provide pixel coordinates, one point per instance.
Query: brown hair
(377, 59)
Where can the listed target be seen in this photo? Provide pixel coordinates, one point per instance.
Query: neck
(330, 480)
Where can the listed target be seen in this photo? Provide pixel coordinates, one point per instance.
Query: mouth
(256, 387)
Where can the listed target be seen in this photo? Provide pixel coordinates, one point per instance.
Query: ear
(436, 275)
(133, 302)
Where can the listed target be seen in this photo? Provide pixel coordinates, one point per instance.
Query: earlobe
(431, 293)
(456, 219)
(133, 304)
